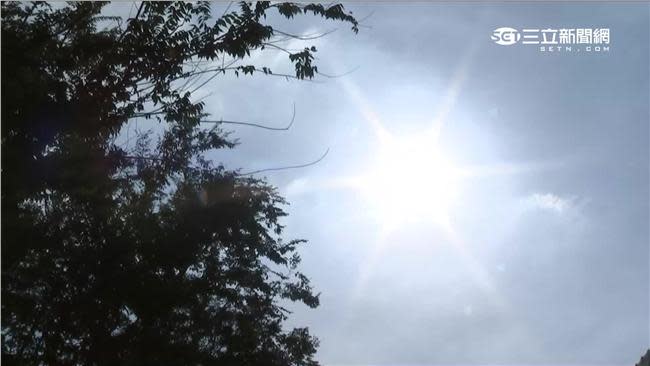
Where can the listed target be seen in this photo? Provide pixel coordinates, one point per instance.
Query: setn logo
(505, 36)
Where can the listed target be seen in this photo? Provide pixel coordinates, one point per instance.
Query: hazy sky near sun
(544, 258)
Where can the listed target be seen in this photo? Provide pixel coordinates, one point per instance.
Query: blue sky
(480, 204)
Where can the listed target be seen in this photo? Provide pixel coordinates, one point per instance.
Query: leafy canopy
(149, 253)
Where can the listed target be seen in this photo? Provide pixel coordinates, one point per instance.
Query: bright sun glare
(411, 180)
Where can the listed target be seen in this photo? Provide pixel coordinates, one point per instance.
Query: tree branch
(289, 167)
(293, 117)
(130, 20)
(334, 76)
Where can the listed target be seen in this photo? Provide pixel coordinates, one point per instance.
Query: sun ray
(369, 115)
(412, 174)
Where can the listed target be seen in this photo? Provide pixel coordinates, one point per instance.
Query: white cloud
(297, 187)
(550, 202)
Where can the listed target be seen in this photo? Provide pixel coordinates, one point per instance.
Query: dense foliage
(146, 253)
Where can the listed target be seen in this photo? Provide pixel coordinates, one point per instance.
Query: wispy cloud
(550, 202)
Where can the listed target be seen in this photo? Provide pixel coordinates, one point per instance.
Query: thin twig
(293, 117)
(142, 158)
(227, 8)
(130, 20)
(289, 167)
(305, 37)
(330, 76)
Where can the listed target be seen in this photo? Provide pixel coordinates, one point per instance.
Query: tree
(645, 359)
(145, 254)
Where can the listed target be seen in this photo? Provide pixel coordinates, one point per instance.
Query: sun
(411, 180)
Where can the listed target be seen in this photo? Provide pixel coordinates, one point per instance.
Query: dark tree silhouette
(645, 359)
(145, 254)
